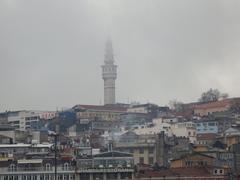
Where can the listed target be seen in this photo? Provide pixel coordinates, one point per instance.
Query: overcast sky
(51, 50)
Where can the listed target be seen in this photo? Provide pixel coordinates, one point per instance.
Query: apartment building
(23, 120)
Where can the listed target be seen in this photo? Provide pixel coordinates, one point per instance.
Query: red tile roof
(217, 104)
(178, 172)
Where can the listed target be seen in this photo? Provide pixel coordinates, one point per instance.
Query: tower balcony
(109, 75)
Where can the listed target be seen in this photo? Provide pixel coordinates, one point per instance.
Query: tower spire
(109, 57)
(109, 74)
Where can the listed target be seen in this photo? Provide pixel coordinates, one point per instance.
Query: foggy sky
(51, 50)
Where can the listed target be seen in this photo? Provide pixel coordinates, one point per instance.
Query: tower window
(48, 166)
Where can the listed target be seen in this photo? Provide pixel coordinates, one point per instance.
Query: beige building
(93, 112)
(146, 149)
(143, 153)
(192, 160)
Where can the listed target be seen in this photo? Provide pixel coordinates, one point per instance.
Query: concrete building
(28, 119)
(146, 149)
(185, 129)
(142, 147)
(23, 120)
(109, 74)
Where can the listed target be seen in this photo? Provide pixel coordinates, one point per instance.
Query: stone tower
(109, 74)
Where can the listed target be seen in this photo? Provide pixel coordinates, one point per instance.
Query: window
(211, 124)
(48, 166)
(12, 167)
(65, 177)
(141, 160)
(150, 150)
(150, 160)
(131, 150)
(141, 150)
(188, 163)
(65, 166)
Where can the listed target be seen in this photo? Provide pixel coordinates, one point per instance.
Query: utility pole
(54, 135)
(55, 157)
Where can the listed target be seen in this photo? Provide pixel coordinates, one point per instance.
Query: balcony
(35, 170)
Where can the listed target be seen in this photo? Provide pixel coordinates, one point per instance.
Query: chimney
(161, 150)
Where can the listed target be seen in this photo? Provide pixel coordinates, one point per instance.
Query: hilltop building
(94, 112)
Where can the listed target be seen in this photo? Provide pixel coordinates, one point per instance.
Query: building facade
(94, 112)
(207, 127)
(23, 120)
(185, 129)
(146, 149)
(104, 166)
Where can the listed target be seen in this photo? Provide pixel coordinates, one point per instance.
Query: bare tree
(176, 105)
(212, 95)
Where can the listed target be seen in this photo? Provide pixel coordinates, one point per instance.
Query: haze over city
(51, 52)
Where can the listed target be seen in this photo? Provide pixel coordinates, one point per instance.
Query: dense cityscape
(197, 140)
(119, 90)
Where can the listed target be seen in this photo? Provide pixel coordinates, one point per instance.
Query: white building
(170, 120)
(185, 129)
(23, 120)
(154, 128)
